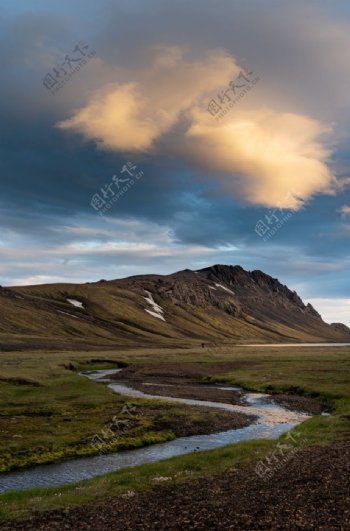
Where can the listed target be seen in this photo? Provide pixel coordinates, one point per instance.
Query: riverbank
(311, 491)
(262, 419)
(63, 416)
(324, 374)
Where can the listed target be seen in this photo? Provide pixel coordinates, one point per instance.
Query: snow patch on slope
(157, 311)
(225, 288)
(160, 316)
(76, 303)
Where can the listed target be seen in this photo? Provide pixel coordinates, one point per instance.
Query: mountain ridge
(221, 303)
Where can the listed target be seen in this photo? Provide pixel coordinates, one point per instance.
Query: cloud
(130, 116)
(82, 250)
(266, 157)
(344, 210)
(114, 118)
(261, 155)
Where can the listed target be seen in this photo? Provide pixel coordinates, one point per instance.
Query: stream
(272, 420)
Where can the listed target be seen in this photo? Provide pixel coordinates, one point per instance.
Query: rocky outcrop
(340, 327)
(252, 296)
(257, 293)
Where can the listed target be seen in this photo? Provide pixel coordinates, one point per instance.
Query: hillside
(213, 305)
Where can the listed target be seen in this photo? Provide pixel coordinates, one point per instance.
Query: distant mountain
(341, 328)
(212, 305)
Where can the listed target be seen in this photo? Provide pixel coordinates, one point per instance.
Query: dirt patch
(181, 381)
(196, 420)
(304, 404)
(310, 492)
(178, 373)
(192, 391)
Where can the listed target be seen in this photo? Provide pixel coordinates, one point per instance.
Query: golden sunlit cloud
(268, 158)
(262, 156)
(131, 116)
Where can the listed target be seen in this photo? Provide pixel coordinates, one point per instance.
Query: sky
(151, 136)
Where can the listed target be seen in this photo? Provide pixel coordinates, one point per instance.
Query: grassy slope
(114, 315)
(318, 371)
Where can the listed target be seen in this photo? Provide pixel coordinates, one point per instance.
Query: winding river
(271, 421)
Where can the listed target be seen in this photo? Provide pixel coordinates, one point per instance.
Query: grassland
(50, 412)
(45, 384)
